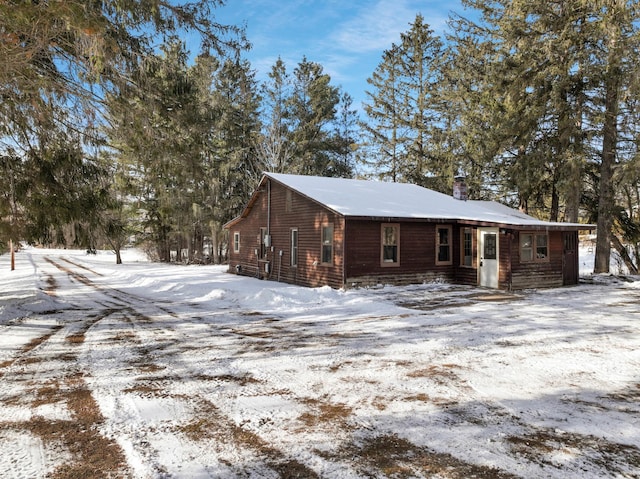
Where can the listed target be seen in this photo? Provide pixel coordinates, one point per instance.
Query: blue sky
(346, 37)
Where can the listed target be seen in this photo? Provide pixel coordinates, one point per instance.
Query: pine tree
(313, 108)
(233, 173)
(307, 122)
(274, 148)
(405, 110)
(559, 73)
(384, 141)
(62, 61)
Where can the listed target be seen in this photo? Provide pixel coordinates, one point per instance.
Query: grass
(94, 455)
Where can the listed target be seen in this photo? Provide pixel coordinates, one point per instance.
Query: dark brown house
(343, 233)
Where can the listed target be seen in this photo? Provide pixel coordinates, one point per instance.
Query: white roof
(362, 198)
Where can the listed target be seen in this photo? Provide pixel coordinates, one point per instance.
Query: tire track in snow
(147, 347)
(44, 399)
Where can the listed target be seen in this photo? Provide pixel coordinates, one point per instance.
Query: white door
(488, 256)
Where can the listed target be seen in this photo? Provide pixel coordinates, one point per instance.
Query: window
(294, 247)
(542, 251)
(236, 242)
(534, 247)
(263, 243)
(466, 258)
(326, 256)
(526, 247)
(443, 245)
(390, 252)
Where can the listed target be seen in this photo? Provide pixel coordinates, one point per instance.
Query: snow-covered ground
(161, 371)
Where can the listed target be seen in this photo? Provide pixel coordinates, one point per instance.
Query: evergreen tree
(558, 73)
(406, 105)
(11, 199)
(342, 159)
(619, 35)
(60, 62)
(187, 140)
(274, 148)
(154, 126)
(232, 174)
(61, 193)
(313, 107)
(304, 132)
(385, 123)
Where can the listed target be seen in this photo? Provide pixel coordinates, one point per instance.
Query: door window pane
(490, 246)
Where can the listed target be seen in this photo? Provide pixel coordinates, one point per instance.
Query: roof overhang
(542, 226)
(519, 222)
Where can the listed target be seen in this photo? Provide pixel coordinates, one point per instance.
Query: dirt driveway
(114, 383)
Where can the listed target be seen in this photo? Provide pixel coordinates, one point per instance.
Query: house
(316, 231)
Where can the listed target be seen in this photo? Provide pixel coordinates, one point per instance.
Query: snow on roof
(362, 198)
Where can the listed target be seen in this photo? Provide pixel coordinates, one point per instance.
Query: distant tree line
(104, 137)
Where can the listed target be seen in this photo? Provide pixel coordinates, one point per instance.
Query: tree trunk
(13, 255)
(576, 162)
(606, 202)
(215, 245)
(624, 254)
(118, 256)
(555, 202)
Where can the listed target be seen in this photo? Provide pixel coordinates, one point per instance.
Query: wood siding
(287, 213)
(536, 274)
(417, 254)
(357, 248)
(465, 274)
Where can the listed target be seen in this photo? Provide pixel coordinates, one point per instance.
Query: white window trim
(383, 263)
(463, 230)
(534, 246)
(236, 241)
(322, 244)
(450, 244)
(293, 254)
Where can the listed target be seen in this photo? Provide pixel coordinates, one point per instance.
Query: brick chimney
(459, 188)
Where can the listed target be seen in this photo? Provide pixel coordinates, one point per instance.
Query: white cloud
(377, 27)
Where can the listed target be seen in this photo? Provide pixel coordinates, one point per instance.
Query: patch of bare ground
(210, 424)
(81, 266)
(242, 380)
(447, 300)
(420, 397)
(125, 336)
(628, 395)
(542, 445)
(149, 367)
(78, 336)
(144, 389)
(52, 286)
(439, 373)
(396, 457)
(30, 346)
(93, 454)
(47, 393)
(322, 413)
